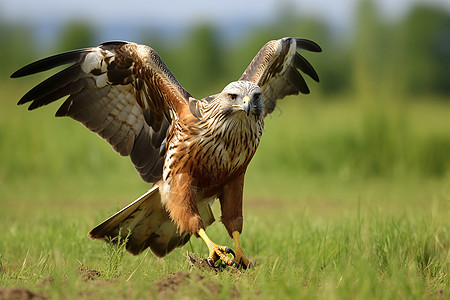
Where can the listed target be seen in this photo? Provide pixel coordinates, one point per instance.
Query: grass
(364, 255)
(353, 204)
(114, 254)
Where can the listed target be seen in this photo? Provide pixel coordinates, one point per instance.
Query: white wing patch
(101, 80)
(95, 60)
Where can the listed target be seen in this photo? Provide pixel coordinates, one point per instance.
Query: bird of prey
(193, 151)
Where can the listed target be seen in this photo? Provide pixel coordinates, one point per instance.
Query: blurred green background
(378, 122)
(348, 195)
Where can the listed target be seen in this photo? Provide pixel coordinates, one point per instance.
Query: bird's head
(241, 98)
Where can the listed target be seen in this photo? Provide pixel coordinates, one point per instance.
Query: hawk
(193, 151)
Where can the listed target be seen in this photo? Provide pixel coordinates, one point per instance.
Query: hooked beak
(246, 105)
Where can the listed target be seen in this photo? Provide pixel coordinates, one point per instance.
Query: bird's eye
(257, 97)
(232, 97)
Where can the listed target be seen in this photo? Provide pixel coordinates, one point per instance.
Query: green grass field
(345, 199)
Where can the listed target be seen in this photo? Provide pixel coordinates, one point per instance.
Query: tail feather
(149, 225)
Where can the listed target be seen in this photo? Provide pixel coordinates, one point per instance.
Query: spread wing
(274, 69)
(122, 91)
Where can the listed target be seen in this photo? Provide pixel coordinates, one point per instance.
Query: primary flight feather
(193, 151)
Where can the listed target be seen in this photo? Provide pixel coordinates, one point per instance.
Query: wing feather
(47, 64)
(296, 80)
(274, 69)
(306, 44)
(301, 63)
(122, 91)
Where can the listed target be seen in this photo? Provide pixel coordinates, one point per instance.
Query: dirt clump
(89, 274)
(200, 273)
(17, 293)
(179, 280)
(172, 283)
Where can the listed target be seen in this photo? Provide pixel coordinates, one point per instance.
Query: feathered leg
(183, 209)
(231, 206)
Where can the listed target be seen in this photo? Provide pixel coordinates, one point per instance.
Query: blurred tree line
(410, 55)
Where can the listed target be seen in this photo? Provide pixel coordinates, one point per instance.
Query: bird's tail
(147, 224)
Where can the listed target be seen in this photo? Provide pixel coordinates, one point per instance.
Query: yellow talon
(216, 252)
(239, 257)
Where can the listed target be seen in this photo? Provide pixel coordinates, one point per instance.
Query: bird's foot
(220, 253)
(242, 261)
(217, 252)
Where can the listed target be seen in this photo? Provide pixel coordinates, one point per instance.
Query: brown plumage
(194, 151)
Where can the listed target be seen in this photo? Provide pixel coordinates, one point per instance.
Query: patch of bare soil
(88, 274)
(177, 281)
(94, 283)
(45, 281)
(16, 293)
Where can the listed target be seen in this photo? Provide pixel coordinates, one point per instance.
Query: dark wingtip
(316, 78)
(29, 69)
(301, 63)
(24, 71)
(24, 99)
(50, 62)
(16, 74)
(309, 45)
